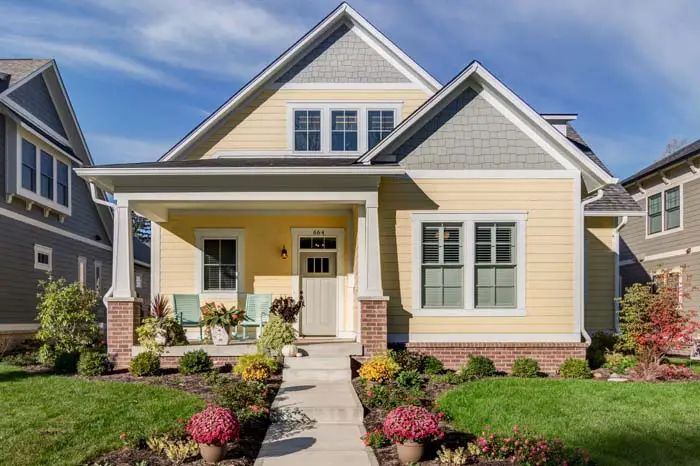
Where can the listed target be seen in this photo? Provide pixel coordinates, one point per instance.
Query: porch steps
(317, 369)
(329, 348)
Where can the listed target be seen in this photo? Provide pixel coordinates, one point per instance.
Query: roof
(142, 251)
(578, 141)
(20, 68)
(614, 199)
(243, 162)
(684, 153)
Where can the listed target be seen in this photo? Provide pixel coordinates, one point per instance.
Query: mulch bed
(241, 453)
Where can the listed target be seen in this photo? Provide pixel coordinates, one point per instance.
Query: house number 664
(319, 232)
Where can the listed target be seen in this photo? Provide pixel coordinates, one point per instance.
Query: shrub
(408, 360)
(145, 364)
(432, 365)
(409, 379)
(248, 400)
(375, 438)
(176, 450)
(525, 367)
(601, 343)
(93, 362)
(380, 368)
(479, 366)
(256, 372)
(151, 326)
(275, 335)
(392, 396)
(287, 307)
(412, 423)
(250, 359)
(675, 372)
(46, 355)
(573, 368)
(619, 363)
(214, 426)
(457, 457)
(26, 358)
(194, 362)
(67, 322)
(66, 363)
(521, 448)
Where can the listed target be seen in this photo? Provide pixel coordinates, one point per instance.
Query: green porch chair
(257, 312)
(187, 311)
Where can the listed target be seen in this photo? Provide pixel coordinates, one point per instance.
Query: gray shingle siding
(19, 279)
(469, 133)
(342, 57)
(34, 96)
(2, 154)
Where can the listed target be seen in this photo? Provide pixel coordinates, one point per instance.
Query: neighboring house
(667, 238)
(448, 218)
(48, 219)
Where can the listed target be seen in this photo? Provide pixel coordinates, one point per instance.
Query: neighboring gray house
(668, 236)
(48, 219)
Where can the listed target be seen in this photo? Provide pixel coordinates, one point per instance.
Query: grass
(618, 423)
(692, 364)
(61, 420)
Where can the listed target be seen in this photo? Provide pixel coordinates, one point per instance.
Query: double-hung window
(495, 265)
(28, 165)
(307, 130)
(664, 211)
(344, 130)
(62, 183)
(672, 208)
(219, 264)
(442, 266)
(46, 175)
(379, 124)
(654, 215)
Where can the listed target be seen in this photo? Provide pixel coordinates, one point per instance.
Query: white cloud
(109, 148)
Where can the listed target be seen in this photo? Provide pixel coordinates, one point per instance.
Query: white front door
(320, 287)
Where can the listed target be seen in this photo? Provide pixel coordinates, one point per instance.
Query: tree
(673, 145)
(141, 227)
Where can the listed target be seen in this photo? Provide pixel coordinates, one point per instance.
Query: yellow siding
(600, 274)
(262, 124)
(549, 249)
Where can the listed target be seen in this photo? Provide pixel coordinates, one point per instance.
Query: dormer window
(28, 166)
(46, 175)
(62, 183)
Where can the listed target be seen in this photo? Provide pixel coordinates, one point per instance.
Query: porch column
(123, 254)
(370, 269)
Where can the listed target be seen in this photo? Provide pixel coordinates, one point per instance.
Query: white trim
(43, 226)
(39, 249)
(339, 250)
(618, 279)
(628, 262)
(82, 270)
(274, 154)
(155, 258)
(10, 328)
(492, 174)
(343, 11)
(670, 254)
(662, 190)
(345, 86)
(484, 337)
(613, 213)
(35, 121)
(98, 284)
(237, 234)
(49, 142)
(142, 264)
(347, 197)
(27, 78)
(468, 219)
(580, 257)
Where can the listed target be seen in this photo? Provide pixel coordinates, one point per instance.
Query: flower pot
(161, 337)
(409, 452)
(212, 454)
(289, 351)
(220, 335)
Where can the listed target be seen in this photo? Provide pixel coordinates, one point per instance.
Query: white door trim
(339, 234)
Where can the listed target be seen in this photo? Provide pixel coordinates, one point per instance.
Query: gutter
(219, 171)
(97, 200)
(598, 196)
(618, 283)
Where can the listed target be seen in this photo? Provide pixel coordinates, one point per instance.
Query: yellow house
(453, 219)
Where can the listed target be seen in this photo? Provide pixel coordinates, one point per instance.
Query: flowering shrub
(375, 438)
(214, 426)
(412, 423)
(247, 400)
(257, 371)
(521, 448)
(380, 368)
(258, 367)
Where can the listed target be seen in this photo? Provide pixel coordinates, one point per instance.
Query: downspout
(618, 283)
(97, 200)
(598, 196)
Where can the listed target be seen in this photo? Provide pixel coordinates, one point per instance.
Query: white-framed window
(139, 280)
(672, 278)
(28, 166)
(43, 177)
(82, 270)
(339, 128)
(43, 258)
(469, 264)
(664, 211)
(98, 277)
(220, 260)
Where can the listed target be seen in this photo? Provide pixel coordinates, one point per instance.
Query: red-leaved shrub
(214, 426)
(412, 423)
(521, 448)
(675, 372)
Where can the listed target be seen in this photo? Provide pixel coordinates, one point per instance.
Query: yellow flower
(380, 368)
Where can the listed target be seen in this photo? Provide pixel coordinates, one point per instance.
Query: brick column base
(373, 325)
(548, 355)
(123, 316)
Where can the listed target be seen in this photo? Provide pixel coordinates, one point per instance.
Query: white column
(369, 265)
(123, 253)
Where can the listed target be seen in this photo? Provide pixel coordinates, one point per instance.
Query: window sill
(664, 232)
(43, 202)
(469, 313)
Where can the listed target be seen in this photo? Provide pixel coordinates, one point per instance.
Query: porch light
(283, 254)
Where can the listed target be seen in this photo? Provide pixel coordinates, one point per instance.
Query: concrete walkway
(317, 417)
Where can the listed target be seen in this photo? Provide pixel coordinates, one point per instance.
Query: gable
(34, 97)
(469, 133)
(342, 57)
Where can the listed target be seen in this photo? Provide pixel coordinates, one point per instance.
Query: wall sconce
(283, 254)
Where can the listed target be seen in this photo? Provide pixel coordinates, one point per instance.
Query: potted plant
(219, 319)
(160, 310)
(160, 328)
(212, 428)
(287, 308)
(276, 334)
(410, 427)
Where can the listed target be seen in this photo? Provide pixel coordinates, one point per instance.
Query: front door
(320, 288)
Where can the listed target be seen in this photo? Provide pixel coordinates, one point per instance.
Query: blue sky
(142, 73)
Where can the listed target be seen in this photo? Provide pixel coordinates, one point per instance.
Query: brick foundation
(548, 355)
(123, 316)
(170, 362)
(373, 325)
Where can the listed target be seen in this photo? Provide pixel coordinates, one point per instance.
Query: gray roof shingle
(615, 199)
(681, 154)
(19, 68)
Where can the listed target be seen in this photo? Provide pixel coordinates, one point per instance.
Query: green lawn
(618, 423)
(60, 420)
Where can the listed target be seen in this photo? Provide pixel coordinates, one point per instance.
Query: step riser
(327, 415)
(317, 363)
(331, 349)
(316, 375)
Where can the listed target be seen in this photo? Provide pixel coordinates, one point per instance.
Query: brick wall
(123, 316)
(548, 355)
(373, 325)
